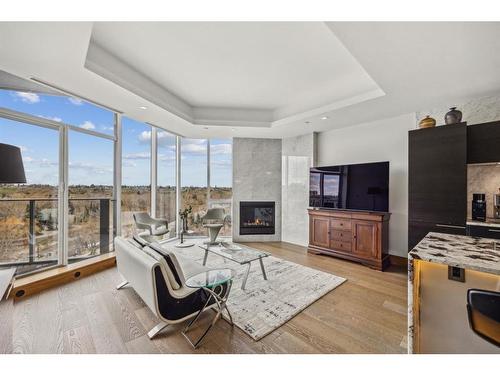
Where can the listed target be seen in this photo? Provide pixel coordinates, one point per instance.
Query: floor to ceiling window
(166, 189)
(221, 192)
(32, 219)
(194, 186)
(66, 141)
(29, 221)
(90, 206)
(136, 172)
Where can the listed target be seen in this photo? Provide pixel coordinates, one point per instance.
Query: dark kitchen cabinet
(418, 230)
(437, 181)
(483, 231)
(483, 143)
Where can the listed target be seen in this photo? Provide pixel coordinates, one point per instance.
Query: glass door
(90, 190)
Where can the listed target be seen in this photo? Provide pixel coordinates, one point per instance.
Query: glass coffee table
(211, 282)
(238, 253)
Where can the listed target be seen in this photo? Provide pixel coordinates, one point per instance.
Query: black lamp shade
(11, 165)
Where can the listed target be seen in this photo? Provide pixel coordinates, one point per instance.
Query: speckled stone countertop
(466, 252)
(474, 253)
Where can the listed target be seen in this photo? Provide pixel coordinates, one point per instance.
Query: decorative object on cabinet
(354, 235)
(427, 122)
(454, 116)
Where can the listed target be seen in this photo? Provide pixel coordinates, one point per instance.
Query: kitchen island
(437, 315)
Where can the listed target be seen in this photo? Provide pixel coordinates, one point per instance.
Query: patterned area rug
(266, 305)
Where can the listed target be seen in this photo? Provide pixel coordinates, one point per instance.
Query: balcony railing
(29, 230)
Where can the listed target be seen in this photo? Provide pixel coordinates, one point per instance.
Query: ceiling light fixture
(324, 118)
(143, 107)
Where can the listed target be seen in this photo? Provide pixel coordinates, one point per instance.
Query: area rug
(266, 305)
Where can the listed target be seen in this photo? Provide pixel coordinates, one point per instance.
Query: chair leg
(157, 329)
(121, 285)
(213, 233)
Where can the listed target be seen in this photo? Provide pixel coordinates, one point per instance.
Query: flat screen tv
(355, 187)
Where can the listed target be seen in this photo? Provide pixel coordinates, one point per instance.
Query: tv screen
(355, 187)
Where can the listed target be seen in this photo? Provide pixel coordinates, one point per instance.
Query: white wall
(298, 155)
(384, 140)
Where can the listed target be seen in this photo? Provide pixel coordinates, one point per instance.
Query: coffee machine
(479, 207)
(496, 206)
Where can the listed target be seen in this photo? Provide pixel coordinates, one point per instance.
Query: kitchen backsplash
(483, 179)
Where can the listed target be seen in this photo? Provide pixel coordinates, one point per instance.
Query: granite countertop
(472, 253)
(487, 223)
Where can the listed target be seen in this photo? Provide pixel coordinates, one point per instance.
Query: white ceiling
(265, 71)
(259, 79)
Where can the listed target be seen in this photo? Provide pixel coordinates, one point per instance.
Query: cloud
(89, 168)
(55, 118)
(75, 101)
(28, 159)
(194, 149)
(164, 139)
(28, 97)
(46, 163)
(221, 149)
(163, 157)
(129, 163)
(222, 163)
(137, 156)
(87, 125)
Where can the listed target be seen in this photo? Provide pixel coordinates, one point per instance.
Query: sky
(91, 158)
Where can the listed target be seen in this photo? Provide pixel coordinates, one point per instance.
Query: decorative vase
(427, 122)
(453, 117)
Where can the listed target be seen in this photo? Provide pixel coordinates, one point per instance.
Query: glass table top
(236, 252)
(210, 278)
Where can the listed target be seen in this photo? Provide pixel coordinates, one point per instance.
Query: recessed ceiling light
(324, 118)
(143, 107)
(233, 129)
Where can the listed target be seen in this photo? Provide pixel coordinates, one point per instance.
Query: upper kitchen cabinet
(437, 178)
(483, 143)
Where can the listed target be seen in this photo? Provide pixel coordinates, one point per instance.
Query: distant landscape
(84, 216)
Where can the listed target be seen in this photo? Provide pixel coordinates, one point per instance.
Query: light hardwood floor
(366, 314)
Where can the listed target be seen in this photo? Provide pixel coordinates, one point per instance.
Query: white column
(178, 193)
(117, 177)
(154, 170)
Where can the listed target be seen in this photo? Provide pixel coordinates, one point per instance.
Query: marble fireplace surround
(256, 177)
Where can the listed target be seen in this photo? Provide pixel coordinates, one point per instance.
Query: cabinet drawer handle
(494, 230)
(450, 226)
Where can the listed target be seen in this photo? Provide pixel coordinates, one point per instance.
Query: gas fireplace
(257, 217)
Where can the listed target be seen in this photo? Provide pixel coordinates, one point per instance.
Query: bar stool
(483, 308)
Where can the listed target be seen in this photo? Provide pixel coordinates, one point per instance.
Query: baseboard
(398, 261)
(32, 284)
